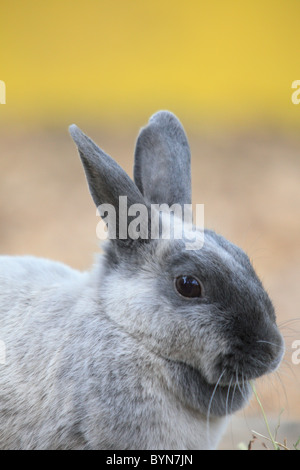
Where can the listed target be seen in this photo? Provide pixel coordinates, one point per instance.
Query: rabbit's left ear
(162, 168)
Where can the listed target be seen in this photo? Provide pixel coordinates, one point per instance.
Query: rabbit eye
(188, 286)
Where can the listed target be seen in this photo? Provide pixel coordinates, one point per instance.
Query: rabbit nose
(272, 347)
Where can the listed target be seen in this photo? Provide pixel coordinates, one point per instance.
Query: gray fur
(115, 358)
(162, 168)
(106, 179)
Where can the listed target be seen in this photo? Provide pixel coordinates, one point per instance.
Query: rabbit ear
(106, 179)
(162, 168)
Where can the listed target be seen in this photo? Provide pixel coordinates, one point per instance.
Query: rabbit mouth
(238, 368)
(246, 357)
(223, 387)
(210, 399)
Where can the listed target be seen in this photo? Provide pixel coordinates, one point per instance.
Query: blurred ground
(250, 185)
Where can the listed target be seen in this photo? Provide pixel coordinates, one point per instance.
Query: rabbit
(155, 346)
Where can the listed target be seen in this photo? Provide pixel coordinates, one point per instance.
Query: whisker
(258, 362)
(209, 406)
(290, 326)
(244, 381)
(272, 344)
(242, 385)
(227, 396)
(234, 388)
(288, 322)
(291, 337)
(290, 372)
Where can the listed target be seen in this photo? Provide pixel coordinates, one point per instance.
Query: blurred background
(226, 69)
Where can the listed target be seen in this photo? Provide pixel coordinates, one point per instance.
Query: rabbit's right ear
(162, 168)
(107, 181)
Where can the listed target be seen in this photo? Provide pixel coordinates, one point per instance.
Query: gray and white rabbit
(155, 346)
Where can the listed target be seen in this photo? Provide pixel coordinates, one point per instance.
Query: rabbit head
(204, 311)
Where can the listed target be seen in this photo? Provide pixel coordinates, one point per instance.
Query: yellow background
(214, 62)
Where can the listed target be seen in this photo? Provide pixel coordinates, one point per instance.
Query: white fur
(51, 323)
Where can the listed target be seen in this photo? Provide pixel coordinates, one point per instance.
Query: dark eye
(188, 286)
